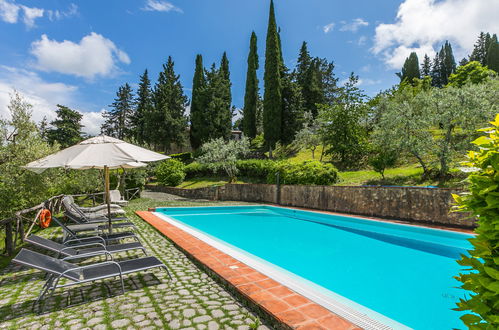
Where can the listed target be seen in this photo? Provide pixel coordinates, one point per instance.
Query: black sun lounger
(83, 250)
(77, 218)
(72, 237)
(75, 274)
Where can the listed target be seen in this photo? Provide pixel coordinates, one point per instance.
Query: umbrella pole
(108, 199)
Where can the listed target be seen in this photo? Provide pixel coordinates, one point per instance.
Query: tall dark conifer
(312, 89)
(303, 64)
(443, 66)
(410, 70)
(272, 102)
(493, 54)
(66, 128)
(118, 120)
(249, 123)
(145, 106)
(198, 106)
(225, 124)
(170, 102)
(481, 48)
(426, 66)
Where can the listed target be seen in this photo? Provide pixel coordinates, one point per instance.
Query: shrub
(255, 168)
(171, 172)
(382, 159)
(306, 173)
(195, 170)
(184, 157)
(482, 276)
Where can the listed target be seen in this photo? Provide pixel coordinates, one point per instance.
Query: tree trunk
(421, 162)
(444, 168)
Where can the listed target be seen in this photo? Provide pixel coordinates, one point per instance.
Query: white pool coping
(356, 313)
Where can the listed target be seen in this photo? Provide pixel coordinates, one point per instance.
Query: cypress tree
(426, 66)
(493, 54)
(272, 103)
(118, 119)
(169, 116)
(198, 106)
(443, 66)
(225, 123)
(448, 63)
(249, 123)
(216, 122)
(145, 106)
(410, 70)
(312, 90)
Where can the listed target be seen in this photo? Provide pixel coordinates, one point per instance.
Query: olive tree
(458, 112)
(220, 154)
(308, 137)
(404, 122)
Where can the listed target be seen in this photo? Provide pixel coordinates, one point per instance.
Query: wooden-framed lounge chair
(72, 237)
(83, 250)
(59, 269)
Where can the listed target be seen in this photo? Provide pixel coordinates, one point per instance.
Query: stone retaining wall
(415, 204)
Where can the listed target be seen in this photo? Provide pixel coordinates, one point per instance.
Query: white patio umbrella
(101, 152)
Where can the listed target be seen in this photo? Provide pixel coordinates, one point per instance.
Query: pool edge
(281, 305)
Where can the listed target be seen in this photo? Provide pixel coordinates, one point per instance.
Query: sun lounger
(99, 212)
(96, 225)
(83, 250)
(71, 236)
(77, 218)
(74, 274)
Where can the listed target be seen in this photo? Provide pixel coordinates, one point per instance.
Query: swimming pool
(387, 273)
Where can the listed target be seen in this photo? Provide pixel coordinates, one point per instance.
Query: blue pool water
(403, 272)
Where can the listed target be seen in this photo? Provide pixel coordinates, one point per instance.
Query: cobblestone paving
(191, 301)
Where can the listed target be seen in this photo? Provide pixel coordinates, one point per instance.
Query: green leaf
(492, 272)
(470, 319)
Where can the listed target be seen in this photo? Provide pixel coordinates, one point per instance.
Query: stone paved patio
(191, 301)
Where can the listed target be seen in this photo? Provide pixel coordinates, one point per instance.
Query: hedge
(308, 172)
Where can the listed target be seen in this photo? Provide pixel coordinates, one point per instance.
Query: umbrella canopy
(102, 152)
(97, 152)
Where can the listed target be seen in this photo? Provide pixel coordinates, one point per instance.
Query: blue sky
(78, 53)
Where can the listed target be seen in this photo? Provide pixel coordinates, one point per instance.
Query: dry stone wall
(415, 204)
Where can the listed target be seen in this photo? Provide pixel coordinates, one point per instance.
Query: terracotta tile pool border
(280, 306)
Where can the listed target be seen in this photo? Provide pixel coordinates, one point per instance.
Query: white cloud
(9, 11)
(328, 28)
(44, 96)
(368, 82)
(161, 5)
(92, 121)
(30, 15)
(93, 56)
(55, 15)
(423, 25)
(362, 41)
(354, 25)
